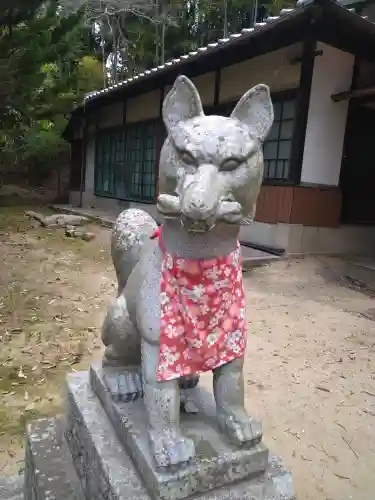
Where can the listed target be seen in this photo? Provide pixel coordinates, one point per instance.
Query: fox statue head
(211, 167)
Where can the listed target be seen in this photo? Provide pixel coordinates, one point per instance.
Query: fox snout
(201, 200)
(200, 195)
(196, 204)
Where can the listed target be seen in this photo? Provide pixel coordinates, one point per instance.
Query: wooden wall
(309, 206)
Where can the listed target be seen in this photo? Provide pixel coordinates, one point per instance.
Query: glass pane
(270, 150)
(274, 132)
(286, 131)
(277, 110)
(112, 163)
(288, 110)
(284, 150)
(280, 169)
(266, 169)
(120, 172)
(286, 170)
(271, 170)
(104, 163)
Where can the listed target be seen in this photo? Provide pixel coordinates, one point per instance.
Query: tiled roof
(246, 32)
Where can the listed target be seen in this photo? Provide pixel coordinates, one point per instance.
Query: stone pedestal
(100, 451)
(217, 464)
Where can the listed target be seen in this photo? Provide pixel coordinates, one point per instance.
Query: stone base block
(107, 471)
(217, 463)
(11, 488)
(49, 471)
(104, 468)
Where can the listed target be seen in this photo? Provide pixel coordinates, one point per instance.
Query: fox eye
(187, 158)
(230, 164)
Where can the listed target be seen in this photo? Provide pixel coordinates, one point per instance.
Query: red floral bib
(202, 324)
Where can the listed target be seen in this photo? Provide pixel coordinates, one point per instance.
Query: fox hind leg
(122, 356)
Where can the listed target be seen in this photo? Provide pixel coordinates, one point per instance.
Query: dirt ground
(53, 295)
(310, 368)
(310, 375)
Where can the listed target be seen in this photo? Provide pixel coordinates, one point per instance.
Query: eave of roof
(326, 19)
(305, 9)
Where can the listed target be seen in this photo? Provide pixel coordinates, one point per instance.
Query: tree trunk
(114, 52)
(157, 34)
(225, 31)
(163, 42)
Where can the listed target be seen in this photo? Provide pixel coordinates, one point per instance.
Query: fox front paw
(171, 452)
(240, 429)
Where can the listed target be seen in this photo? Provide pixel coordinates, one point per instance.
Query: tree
(113, 21)
(133, 33)
(47, 67)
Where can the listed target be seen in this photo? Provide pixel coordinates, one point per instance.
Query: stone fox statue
(180, 304)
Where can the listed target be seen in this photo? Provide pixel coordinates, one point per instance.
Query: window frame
(267, 168)
(118, 166)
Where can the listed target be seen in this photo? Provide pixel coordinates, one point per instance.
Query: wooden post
(84, 155)
(302, 110)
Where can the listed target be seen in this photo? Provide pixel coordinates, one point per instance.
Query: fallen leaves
(322, 388)
(30, 407)
(324, 451)
(340, 476)
(340, 425)
(21, 374)
(15, 331)
(369, 412)
(350, 446)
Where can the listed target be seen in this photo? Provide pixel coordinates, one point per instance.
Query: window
(278, 144)
(126, 161)
(141, 160)
(104, 163)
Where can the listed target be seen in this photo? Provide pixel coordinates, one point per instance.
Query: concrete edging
(248, 262)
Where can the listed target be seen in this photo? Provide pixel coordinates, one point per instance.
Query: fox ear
(181, 103)
(255, 110)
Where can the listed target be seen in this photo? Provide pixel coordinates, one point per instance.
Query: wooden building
(317, 195)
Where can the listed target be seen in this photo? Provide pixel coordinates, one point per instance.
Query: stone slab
(11, 488)
(103, 217)
(108, 473)
(49, 472)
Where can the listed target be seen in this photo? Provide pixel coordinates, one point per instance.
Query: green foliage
(90, 74)
(46, 69)
(274, 6)
(42, 147)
